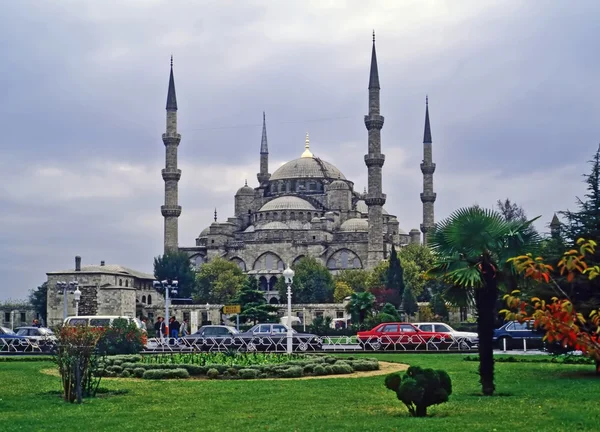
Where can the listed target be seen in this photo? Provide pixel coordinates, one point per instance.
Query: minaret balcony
(170, 211)
(171, 138)
(428, 197)
(374, 121)
(374, 159)
(427, 167)
(375, 200)
(171, 174)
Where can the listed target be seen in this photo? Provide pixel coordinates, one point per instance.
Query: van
(100, 320)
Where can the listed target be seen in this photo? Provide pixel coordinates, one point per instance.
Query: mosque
(307, 207)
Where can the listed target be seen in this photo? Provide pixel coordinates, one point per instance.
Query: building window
(143, 299)
(318, 314)
(212, 241)
(314, 237)
(356, 263)
(23, 317)
(120, 282)
(149, 299)
(6, 316)
(339, 314)
(126, 282)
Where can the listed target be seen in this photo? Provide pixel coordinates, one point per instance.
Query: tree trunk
(485, 298)
(421, 411)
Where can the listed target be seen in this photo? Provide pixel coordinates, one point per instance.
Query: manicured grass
(535, 397)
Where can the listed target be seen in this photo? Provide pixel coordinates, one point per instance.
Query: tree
(360, 306)
(378, 276)
(472, 247)
(409, 302)
(356, 278)
(561, 320)
(388, 313)
(395, 275)
(416, 261)
(253, 303)
(218, 281)
(38, 298)
(176, 265)
(313, 282)
(511, 211)
(341, 291)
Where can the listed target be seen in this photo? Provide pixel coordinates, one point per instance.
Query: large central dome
(307, 167)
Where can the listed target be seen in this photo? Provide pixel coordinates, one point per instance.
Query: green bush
(122, 337)
(292, 372)
(360, 366)
(165, 374)
(420, 388)
(125, 374)
(308, 368)
(320, 370)
(115, 368)
(341, 368)
(139, 372)
(328, 370)
(248, 373)
(194, 370)
(128, 365)
(212, 373)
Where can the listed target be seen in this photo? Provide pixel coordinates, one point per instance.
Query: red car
(400, 336)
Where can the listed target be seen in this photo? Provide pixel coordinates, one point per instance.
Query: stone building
(13, 315)
(105, 290)
(307, 207)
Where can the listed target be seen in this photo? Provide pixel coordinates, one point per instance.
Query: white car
(472, 338)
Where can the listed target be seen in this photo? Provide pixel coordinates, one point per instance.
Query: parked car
(273, 337)
(100, 320)
(10, 341)
(210, 338)
(42, 336)
(514, 332)
(471, 338)
(401, 336)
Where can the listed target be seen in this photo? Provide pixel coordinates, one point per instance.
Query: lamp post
(288, 274)
(77, 296)
(66, 287)
(169, 287)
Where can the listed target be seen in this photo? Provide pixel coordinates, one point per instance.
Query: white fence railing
(17, 345)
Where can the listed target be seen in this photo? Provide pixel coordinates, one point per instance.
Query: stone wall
(13, 316)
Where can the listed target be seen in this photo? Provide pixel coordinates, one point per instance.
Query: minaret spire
(171, 174)
(555, 227)
(374, 160)
(307, 153)
(427, 168)
(263, 176)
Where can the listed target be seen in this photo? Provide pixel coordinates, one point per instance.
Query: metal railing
(16, 345)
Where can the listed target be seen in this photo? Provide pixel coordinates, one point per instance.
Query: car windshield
(22, 332)
(4, 330)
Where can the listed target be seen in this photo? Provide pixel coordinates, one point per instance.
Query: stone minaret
(263, 176)
(374, 160)
(555, 227)
(171, 175)
(427, 168)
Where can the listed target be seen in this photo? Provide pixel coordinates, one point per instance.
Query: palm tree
(471, 248)
(360, 306)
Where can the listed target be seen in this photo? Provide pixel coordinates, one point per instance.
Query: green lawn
(535, 397)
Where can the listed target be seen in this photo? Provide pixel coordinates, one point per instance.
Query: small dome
(355, 225)
(274, 226)
(249, 229)
(339, 185)
(287, 203)
(205, 231)
(315, 220)
(245, 190)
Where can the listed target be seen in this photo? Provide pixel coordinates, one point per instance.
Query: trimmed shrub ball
(420, 388)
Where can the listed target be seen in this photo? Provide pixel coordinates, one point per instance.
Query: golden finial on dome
(307, 153)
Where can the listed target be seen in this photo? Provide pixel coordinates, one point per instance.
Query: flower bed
(230, 366)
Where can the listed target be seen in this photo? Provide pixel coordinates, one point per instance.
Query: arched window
(272, 282)
(120, 282)
(280, 265)
(240, 263)
(269, 262)
(357, 263)
(149, 299)
(344, 256)
(331, 264)
(126, 282)
(262, 283)
(143, 299)
(273, 301)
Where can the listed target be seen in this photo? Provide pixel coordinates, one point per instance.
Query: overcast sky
(512, 85)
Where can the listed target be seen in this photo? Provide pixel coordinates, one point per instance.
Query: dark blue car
(514, 332)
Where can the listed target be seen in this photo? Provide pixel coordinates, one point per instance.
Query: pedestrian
(174, 328)
(158, 327)
(183, 331)
(36, 323)
(144, 326)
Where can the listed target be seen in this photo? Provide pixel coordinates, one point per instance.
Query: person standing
(159, 327)
(183, 331)
(174, 328)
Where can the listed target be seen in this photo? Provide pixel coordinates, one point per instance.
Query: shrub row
(318, 365)
(564, 359)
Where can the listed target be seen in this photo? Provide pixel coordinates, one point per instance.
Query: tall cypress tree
(395, 275)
